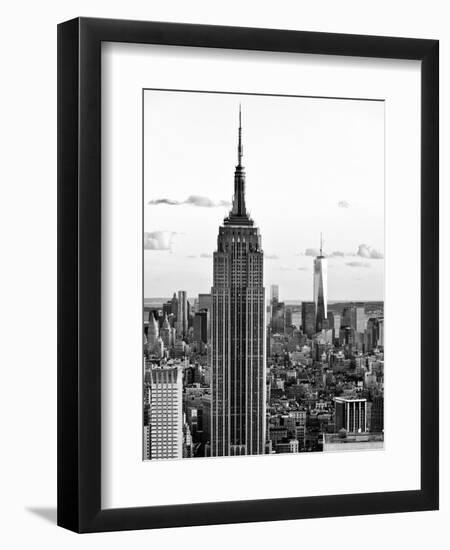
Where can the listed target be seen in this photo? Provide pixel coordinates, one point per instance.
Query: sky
(312, 165)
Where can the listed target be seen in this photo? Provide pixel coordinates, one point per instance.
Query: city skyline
(228, 376)
(184, 199)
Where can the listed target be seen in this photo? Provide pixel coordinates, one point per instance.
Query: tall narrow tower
(238, 397)
(320, 288)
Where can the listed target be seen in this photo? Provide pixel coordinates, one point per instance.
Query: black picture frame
(79, 274)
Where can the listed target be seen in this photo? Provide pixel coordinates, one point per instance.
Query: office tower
(171, 307)
(371, 334)
(361, 319)
(165, 412)
(288, 317)
(350, 414)
(337, 323)
(152, 331)
(330, 322)
(167, 333)
(182, 314)
(278, 318)
(308, 318)
(238, 400)
(274, 293)
(377, 414)
(201, 326)
(204, 302)
(349, 317)
(320, 288)
(381, 332)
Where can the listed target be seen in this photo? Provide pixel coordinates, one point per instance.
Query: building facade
(308, 318)
(165, 414)
(238, 386)
(350, 414)
(182, 314)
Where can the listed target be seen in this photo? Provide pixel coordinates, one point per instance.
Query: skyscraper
(361, 319)
(320, 288)
(274, 293)
(182, 314)
(165, 420)
(308, 318)
(238, 396)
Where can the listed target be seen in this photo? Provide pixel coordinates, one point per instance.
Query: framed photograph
(248, 275)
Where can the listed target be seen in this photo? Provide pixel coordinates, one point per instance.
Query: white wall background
(28, 274)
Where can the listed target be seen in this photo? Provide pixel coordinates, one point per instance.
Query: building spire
(321, 243)
(239, 214)
(240, 148)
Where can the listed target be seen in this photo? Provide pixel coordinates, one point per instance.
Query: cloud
(358, 264)
(343, 204)
(158, 240)
(285, 268)
(205, 255)
(365, 251)
(337, 254)
(271, 257)
(191, 256)
(302, 268)
(193, 200)
(165, 201)
(311, 252)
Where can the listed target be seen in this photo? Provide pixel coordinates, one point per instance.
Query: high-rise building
(152, 331)
(349, 317)
(381, 332)
(372, 334)
(201, 326)
(204, 302)
(238, 392)
(182, 314)
(320, 288)
(165, 418)
(167, 333)
(361, 319)
(308, 318)
(274, 293)
(350, 414)
(377, 414)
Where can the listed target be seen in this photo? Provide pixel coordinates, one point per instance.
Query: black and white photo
(263, 265)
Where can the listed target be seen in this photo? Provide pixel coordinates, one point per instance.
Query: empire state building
(238, 362)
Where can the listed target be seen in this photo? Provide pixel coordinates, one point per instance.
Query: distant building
(372, 334)
(171, 307)
(349, 317)
(182, 315)
(167, 333)
(361, 320)
(201, 326)
(152, 330)
(290, 446)
(350, 414)
(274, 293)
(309, 318)
(165, 419)
(204, 302)
(320, 289)
(377, 414)
(278, 318)
(381, 332)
